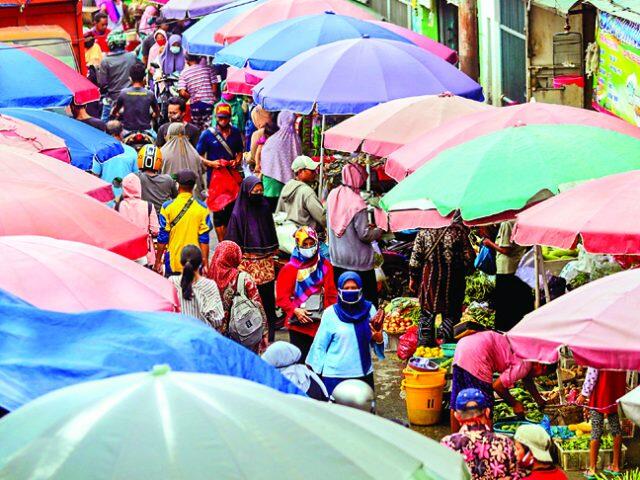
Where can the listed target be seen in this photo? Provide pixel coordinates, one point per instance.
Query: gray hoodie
(301, 204)
(353, 250)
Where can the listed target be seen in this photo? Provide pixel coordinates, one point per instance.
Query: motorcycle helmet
(355, 394)
(117, 41)
(150, 158)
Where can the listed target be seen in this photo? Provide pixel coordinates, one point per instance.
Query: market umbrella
(384, 128)
(75, 277)
(349, 76)
(603, 213)
(630, 404)
(410, 157)
(166, 424)
(511, 168)
(241, 81)
(32, 78)
(28, 136)
(191, 8)
(35, 208)
(19, 164)
(420, 40)
(598, 322)
(273, 45)
(84, 141)
(43, 350)
(268, 12)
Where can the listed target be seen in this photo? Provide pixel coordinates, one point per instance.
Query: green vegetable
(479, 288)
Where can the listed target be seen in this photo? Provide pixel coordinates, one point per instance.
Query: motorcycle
(138, 139)
(165, 87)
(396, 254)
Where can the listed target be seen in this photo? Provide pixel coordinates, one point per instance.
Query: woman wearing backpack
(304, 288)
(199, 296)
(223, 269)
(139, 212)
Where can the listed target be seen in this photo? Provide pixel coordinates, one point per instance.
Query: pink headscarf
(149, 12)
(345, 202)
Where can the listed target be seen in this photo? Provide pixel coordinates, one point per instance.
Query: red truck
(40, 18)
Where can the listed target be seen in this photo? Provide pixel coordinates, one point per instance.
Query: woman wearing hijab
(251, 227)
(139, 212)
(179, 154)
(145, 27)
(308, 274)
(156, 49)
(351, 233)
(277, 155)
(341, 349)
(286, 357)
(172, 58)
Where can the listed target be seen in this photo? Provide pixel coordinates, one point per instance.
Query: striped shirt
(197, 80)
(205, 304)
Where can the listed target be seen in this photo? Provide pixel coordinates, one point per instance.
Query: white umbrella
(631, 405)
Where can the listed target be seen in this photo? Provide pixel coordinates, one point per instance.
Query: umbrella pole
(321, 178)
(536, 268)
(368, 173)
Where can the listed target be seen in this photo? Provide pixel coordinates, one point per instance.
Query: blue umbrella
(84, 142)
(271, 46)
(198, 39)
(41, 351)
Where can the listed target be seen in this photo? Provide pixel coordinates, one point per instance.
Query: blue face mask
(350, 296)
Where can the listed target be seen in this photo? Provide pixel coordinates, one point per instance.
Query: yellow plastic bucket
(423, 395)
(428, 379)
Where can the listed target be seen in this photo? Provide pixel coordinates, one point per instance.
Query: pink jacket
(138, 211)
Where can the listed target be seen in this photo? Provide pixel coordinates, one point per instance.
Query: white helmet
(355, 394)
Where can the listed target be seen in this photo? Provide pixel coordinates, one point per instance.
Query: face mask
(308, 252)
(255, 197)
(175, 50)
(350, 296)
(89, 44)
(161, 41)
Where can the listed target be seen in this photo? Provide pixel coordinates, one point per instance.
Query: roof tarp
(627, 9)
(561, 7)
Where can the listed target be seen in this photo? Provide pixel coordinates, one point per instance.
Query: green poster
(617, 81)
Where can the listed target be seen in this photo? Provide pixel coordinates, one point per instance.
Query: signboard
(617, 80)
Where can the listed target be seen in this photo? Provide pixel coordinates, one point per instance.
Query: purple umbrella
(191, 8)
(349, 76)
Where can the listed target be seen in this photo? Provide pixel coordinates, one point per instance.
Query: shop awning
(627, 9)
(561, 7)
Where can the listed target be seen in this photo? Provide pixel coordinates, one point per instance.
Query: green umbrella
(174, 425)
(507, 169)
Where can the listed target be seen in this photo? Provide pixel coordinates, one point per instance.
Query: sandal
(588, 475)
(613, 473)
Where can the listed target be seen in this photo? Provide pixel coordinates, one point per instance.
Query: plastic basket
(579, 459)
(448, 349)
(498, 427)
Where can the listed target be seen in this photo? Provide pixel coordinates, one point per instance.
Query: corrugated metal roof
(561, 7)
(627, 9)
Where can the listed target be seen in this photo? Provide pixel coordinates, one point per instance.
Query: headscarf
(149, 12)
(136, 210)
(358, 314)
(154, 51)
(285, 357)
(251, 225)
(281, 149)
(178, 154)
(223, 268)
(171, 62)
(345, 202)
(311, 271)
(110, 9)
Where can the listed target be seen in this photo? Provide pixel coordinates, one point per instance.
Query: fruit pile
(428, 352)
(400, 314)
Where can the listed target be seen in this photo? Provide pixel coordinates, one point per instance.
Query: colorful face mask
(350, 296)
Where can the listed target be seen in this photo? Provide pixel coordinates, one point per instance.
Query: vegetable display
(479, 288)
(480, 314)
(400, 314)
(503, 411)
(582, 443)
(551, 253)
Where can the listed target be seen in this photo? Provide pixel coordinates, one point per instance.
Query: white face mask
(175, 50)
(308, 252)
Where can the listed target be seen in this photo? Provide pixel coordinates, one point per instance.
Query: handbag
(486, 261)
(314, 305)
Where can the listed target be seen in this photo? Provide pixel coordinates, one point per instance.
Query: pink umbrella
(18, 133)
(420, 40)
(75, 277)
(599, 322)
(604, 212)
(240, 81)
(20, 164)
(412, 156)
(383, 129)
(272, 11)
(35, 208)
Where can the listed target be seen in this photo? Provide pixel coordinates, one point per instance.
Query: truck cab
(51, 39)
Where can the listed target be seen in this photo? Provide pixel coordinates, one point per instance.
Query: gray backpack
(245, 319)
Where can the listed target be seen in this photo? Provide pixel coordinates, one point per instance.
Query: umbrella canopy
(84, 142)
(75, 277)
(598, 322)
(631, 405)
(57, 349)
(34, 208)
(508, 169)
(18, 133)
(349, 76)
(384, 128)
(271, 11)
(50, 83)
(409, 158)
(603, 213)
(19, 164)
(191, 8)
(273, 45)
(241, 81)
(198, 39)
(166, 424)
(420, 40)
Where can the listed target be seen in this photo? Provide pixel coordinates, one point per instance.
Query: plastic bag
(408, 343)
(486, 261)
(223, 188)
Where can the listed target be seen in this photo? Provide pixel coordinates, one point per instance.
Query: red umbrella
(33, 208)
(603, 212)
(240, 81)
(412, 156)
(74, 277)
(19, 164)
